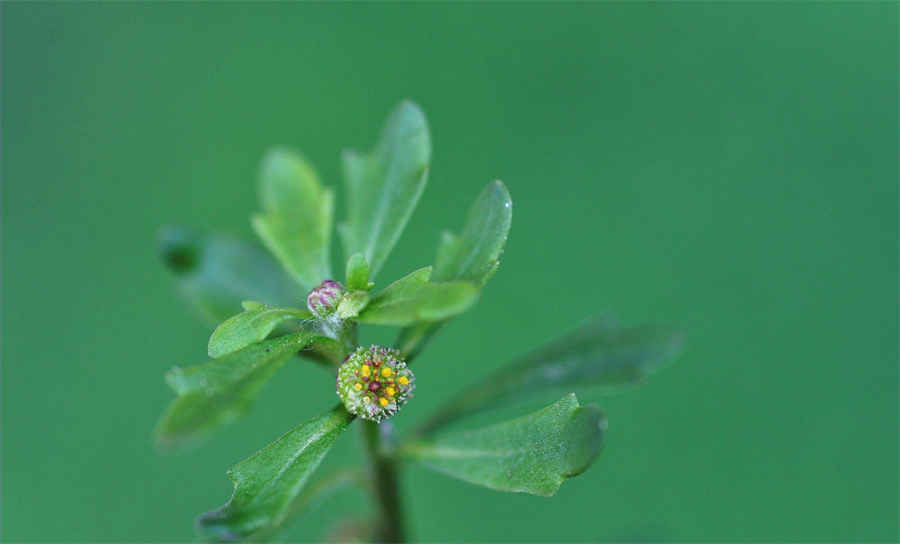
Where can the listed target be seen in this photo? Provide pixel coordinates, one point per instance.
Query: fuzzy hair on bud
(374, 383)
(324, 299)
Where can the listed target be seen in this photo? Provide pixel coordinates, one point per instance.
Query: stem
(385, 488)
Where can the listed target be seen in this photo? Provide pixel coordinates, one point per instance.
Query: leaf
(297, 216)
(216, 393)
(599, 354)
(413, 299)
(384, 187)
(267, 484)
(249, 327)
(474, 256)
(352, 303)
(531, 454)
(217, 273)
(358, 273)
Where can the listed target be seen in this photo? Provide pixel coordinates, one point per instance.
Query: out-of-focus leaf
(268, 484)
(297, 216)
(413, 299)
(217, 273)
(599, 355)
(249, 327)
(473, 256)
(358, 273)
(384, 187)
(312, 495)
(215, 393)
(531, 454)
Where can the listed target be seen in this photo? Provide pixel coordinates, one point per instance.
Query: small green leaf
(249, 327)
(352, 303)
(297, 216)
(267, 484)
(413, 299)
(217, 273)
(474, 256)
(384, 187)
(599, 355)
(531, 454)
(216, 393)
(358, 273)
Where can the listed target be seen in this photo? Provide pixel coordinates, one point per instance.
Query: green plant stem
(384, 483)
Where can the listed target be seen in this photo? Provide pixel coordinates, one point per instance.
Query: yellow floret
(365, 370)
(357, 386)
(383, 401)
(403, 380)
(391, 391)
(386, 372)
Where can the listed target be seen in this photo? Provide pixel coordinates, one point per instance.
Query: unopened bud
(324, 299)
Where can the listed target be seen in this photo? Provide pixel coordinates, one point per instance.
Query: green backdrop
(731, 168)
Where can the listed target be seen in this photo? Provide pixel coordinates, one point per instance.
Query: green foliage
(413, 299)
(297, 219)
(384, 187)
(358, 273)
(249, 327)
(215, 393)
(267, 484)
(598, 356)
(217, 273)
(475, 254)
(532, 454)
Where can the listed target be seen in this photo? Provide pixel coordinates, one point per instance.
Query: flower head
(374, 382)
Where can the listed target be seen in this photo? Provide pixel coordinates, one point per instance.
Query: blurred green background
(731, 168)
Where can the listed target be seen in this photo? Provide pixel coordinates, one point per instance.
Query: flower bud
(324, 299)
(374, 383)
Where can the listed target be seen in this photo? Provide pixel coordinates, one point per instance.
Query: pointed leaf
(474, 256)
(249, 327)
(384, 187)
(599, 355)
(531, 454)
(413, 299)
(217, 273)
(297, 216)
(267, 484)
(216, 393)
(358, 273)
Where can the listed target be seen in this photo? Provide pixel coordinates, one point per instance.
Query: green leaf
(531, 454)
(474, 256)
(216, 393)
(352, 303)
(384, 187)
(599, 355)
(267, 484)
(297, 216)
(217, 273)
(413, 299)
(358, 273)
(249, 327)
